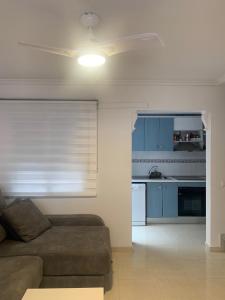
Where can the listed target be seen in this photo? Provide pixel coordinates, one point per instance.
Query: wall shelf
(190, 141)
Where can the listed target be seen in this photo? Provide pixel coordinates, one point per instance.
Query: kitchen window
(48, 148)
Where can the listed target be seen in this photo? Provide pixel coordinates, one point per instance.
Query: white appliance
(138, 204)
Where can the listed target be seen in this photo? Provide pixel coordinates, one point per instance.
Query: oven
(191, 201)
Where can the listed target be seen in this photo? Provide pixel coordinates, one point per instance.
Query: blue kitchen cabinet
(170, 200)
(152, 126)
(153, 134)
(154, 200)
(138, 137)
(166, 127)
(191, 184)
(162, 200)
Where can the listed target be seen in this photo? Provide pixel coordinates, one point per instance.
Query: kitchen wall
(169, 163)
(118, 104)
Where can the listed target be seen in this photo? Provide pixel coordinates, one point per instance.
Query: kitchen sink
(147, 177)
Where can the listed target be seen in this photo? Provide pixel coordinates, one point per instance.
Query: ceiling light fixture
(91, 60)
(93, 53)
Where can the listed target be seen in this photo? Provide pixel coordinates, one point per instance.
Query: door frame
(206, 119)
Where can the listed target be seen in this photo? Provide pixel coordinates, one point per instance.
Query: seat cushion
(18, 274)
(26, 219)
(67, 250)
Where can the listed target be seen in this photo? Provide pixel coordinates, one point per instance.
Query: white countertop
(168, 179)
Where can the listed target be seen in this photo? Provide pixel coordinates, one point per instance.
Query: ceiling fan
(93, 53)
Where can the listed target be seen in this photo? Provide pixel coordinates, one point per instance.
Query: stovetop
(189, 177)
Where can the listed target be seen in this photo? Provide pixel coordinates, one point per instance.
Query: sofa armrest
(76, 220)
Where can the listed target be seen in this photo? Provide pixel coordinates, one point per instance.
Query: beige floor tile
(140, 289)
(168, 262)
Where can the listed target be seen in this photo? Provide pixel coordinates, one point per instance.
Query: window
(48, 148)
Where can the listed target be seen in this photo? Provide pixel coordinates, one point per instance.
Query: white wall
(113, 184)
(118, 104)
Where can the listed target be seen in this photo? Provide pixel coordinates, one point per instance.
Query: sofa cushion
(2, 202)
(67, 250)
(26, 219)
(18, 274)
(11, 234)
(2, 234)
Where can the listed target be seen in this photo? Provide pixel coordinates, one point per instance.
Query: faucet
(153, 167)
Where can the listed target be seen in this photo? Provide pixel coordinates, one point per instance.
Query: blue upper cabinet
(138, 137)
(153, 134)
(170, 200)
(166, 134)
(152, 126)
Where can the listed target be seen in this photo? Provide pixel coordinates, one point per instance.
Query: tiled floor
(169, 262)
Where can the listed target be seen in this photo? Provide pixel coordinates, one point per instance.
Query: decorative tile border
(169, 161)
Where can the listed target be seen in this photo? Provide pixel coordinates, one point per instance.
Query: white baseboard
(213, 249)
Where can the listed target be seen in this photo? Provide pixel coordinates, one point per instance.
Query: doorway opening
(170, 171)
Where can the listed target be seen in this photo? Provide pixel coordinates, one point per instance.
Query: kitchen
(168, 169)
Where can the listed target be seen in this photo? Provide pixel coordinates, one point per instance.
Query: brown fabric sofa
(17, 274)
(76, 252)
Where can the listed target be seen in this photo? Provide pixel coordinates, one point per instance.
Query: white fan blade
(130, 42)
(52, 50)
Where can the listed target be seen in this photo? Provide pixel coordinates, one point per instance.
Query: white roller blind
(48, 148)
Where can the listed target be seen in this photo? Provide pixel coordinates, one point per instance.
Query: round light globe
(91, 60)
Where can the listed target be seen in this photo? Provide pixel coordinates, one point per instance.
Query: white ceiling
(193, 31)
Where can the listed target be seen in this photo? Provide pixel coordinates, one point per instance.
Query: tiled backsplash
(169, 163)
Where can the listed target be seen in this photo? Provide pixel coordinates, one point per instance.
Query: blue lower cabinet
(162, 200)
(170, 200)
(154, 200)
